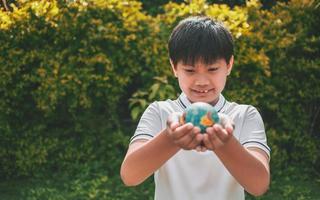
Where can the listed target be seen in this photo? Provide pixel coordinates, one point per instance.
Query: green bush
(65, 70)
(291, 40)
(89, 182)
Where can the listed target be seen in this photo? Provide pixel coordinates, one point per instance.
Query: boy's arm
(249, 166)
(144, 157)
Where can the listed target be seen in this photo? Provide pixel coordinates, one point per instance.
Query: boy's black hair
(200, 38)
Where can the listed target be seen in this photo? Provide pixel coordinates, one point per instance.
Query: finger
(221, 133)
(203, 149)
(197, 140)
(183, 130)
(185, 143)
(191, 139)
(225, 120)
(174, 118)
(213, 136)
(230, 130)
(174, 125)
(210, 130)
(196, 129)
(199, 137)
(215, 140)
(207, 142)
(187, 139)
(198, 148)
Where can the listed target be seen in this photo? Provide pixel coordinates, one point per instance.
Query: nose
(201, 80)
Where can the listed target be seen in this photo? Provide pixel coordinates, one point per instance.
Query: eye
(189, 70)
(213, 69)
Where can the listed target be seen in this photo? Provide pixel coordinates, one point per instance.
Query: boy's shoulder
(168, 105)
(238, 106)
(240, 109)
(162, 109)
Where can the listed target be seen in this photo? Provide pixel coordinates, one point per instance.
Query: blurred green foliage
(64, 71)
(72, 73)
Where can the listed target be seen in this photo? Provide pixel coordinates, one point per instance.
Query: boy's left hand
(219, 134)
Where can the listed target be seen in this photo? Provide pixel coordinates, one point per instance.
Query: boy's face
(203, 82)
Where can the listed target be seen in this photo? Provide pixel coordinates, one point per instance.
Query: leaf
(154, 90)
(135, 112)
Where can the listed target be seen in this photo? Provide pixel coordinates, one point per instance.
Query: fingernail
(189, 126)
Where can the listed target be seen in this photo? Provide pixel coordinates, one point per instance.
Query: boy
(186, 164)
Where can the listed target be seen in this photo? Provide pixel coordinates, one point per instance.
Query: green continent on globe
(202, 115)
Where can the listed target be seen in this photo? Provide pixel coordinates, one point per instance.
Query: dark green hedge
(63, 82)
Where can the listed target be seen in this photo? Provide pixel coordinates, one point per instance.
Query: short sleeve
(253, 132)
(149, 124)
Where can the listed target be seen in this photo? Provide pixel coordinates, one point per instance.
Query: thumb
(175, 119)
(226, 122)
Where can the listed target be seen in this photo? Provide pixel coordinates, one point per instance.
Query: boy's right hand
(186, 136)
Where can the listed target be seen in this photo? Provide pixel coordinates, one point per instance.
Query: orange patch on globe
(206, 121)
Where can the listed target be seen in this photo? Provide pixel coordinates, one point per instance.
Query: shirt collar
(183, 99)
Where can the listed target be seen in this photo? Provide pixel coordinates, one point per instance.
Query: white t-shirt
(192, 175)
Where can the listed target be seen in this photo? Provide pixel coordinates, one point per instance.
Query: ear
(230, 65)
(174, 69)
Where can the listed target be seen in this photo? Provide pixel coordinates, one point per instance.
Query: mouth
(201, 91)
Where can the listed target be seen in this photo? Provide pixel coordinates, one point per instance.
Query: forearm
(250, 169)
(145, 159)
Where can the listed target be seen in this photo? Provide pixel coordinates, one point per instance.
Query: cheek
(220, 81)
(184, 81)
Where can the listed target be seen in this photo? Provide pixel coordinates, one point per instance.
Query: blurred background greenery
(76, 75)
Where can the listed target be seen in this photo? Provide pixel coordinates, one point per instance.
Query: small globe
(202, 115)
